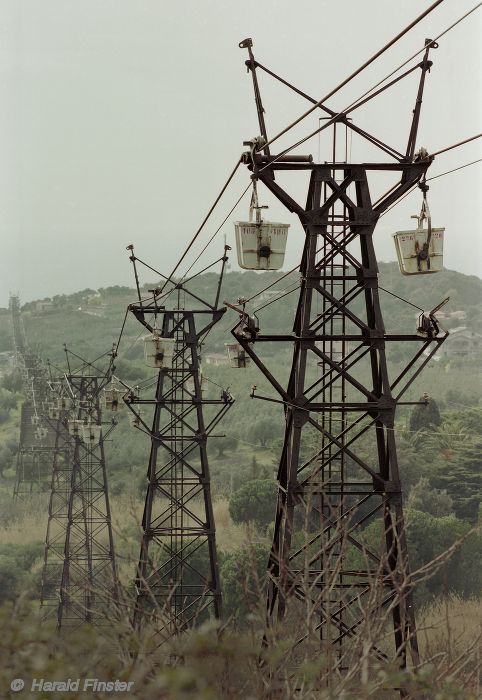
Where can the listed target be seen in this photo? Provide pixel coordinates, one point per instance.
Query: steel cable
(216, 232)
(203, 223)
(354, 104)
(355, 73)
(434, 177)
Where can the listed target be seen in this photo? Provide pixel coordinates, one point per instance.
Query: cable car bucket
(260, 245)
(91, 433)
(420, 251)
(74, 427)
(238, 357)
(53, 412)
(158, 351)
(113, 398)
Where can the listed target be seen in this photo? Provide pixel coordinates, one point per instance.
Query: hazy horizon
(121, 121)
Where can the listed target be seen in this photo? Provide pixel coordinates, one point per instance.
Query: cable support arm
(342, 118)
(251, 65)
(356, 72)
(361, 101)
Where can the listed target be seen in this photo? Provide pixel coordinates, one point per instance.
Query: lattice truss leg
(178, 578)
(58, 519)
(79, 582)
(321, 571)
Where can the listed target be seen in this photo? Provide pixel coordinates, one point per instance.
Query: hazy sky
(121, 119)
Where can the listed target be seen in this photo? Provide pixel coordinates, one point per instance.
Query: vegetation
(439, 448)
(254, 502)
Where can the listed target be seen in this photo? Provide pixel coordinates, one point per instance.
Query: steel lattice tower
(177, 578)
(58, 509)
(79, 581)
(36, 442)
(338, 389)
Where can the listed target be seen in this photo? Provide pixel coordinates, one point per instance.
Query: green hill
(89, 322)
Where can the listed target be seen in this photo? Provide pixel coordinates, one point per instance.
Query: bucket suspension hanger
(420, 251)
(254, 205)
(260, 244)
(423, 252)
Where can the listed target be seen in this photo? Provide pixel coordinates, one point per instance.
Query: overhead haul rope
(216, 232)
(355, 73)
(351, 107)
(456, 145)
(203, 223)
(315, 106)
(402, 65)
(434, 177)
(460, 167)
(284, 292)
(401, 298)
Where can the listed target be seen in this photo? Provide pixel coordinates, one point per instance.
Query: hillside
(440, 463)
(89, 322)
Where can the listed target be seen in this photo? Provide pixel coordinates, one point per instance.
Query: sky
(120, 121)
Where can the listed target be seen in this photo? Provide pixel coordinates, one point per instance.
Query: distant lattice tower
(36, 442)
(60, 407)
(177, 580)
(80, 582)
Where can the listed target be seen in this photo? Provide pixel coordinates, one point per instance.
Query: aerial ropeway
(260, 245)
(238, 358)
(113, 398)
(158, 351)
(91, 433)
(420, 251)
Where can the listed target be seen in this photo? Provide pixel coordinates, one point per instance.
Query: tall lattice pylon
(177, 578)
(323, 579)
(80, 582)
(37, 440)
(59, 411)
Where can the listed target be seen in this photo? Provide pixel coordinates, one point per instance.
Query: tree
(264, 430)
(228, 442)
(425, 498)
(427, 538)
(12, 381)
(461, 477)
(10, 578)
(447, 438)
(6, 458)
(243, 574)
(425, 416)
(254, 502)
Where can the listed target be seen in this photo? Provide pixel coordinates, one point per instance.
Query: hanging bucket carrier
(158, 351)
(420, 251)
(238, 358)
(113, 399)
(91, 433)
(54, 412)
(260, 245)
(75, 427)
(41, 433)
(64, 403)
